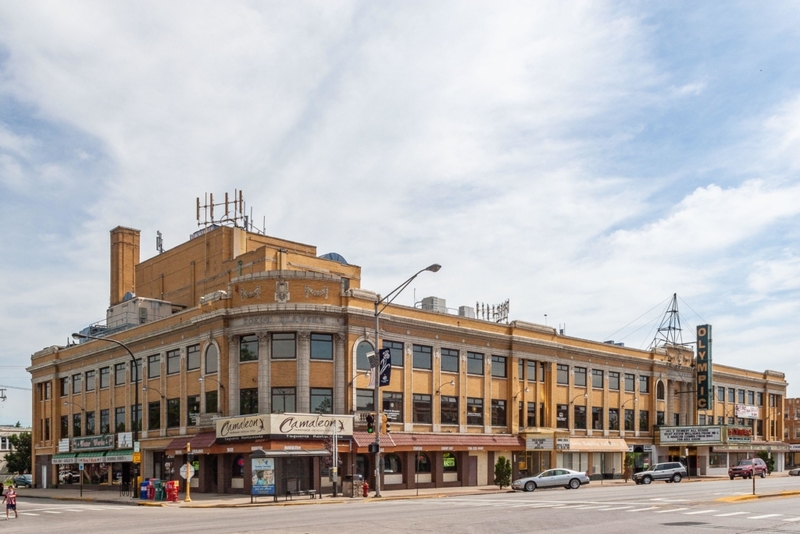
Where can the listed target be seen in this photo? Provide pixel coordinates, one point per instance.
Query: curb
(133, 502)
(739, 498)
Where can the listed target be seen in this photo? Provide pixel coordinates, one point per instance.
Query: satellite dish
(334, 256)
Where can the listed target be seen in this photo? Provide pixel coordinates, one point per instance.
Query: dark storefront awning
(260, 453)
(199, 442)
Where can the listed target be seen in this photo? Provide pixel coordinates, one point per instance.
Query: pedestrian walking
(10, 500)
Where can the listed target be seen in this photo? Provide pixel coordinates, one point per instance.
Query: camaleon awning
(597, 445)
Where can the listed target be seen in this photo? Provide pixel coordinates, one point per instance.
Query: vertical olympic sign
(703, 368)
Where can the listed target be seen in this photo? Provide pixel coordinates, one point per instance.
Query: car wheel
(732, 477)
(574, 483)
(676, 477)
(647, 480)
(763, 474)
(530, 486)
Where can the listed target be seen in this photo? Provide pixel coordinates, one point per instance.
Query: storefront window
(237, 469)
(449, 462)
(423, 463)
(718, 459)
(391, 464)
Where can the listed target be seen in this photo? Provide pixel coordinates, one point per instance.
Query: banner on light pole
(386, 366)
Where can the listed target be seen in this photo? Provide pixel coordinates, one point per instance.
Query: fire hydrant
(365, 489)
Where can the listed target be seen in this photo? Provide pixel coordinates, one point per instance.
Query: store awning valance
(279, 454)
(91, 457)
(199, 442)
(64, 458)
(597, 445)
(124, 455)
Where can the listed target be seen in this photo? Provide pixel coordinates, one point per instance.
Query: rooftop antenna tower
(669, 335)
(234, 211)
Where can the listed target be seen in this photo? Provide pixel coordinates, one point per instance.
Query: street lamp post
(385, 301)
(136, 395)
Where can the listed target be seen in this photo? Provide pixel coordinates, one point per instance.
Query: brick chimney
(124, 257)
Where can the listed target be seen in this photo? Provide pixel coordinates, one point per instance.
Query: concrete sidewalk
(217, 500)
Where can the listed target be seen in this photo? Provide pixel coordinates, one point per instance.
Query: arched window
(423, 463)
(237, 469)
(362, 362)
(660, 390)
(391, 464)
(211, 359)
(449, 461)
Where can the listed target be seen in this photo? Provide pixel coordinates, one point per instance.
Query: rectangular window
(644, 384)
(47, 428)
(64, 386)
(248, 401)
(613, 419)
(449, 361)
(422, 357)
(105, 422)
(597, 379)
(597, 418)
(192, 357)
(89, 380)
(580, 377)
(119, 374)
(629, 420)
(105, 377)
(751, 398)
(661, 419)
(154, 415)
(422, 410)
(192, 409)
(136, 417)
(64, 426)
(284, 346)
(521, 371)
(731, 395)
(47, 391)
(322, 400)
(531, 370)
(174, 413)
(531, 414)
(562, 374)
(396, 349)
(365, 400)
(119, 419)
(449, 407)
(154, 366)
(562, 416)
(759, 399)
(721, 394)
(630, 383)
(474, 411)
(284, 400)
(644, 421)
(474, 363)
(76, 425)
(393, 406)
(212, 402)
(580, 417)
(613, 381)
(321, 347)
(248, 348)
(76, 384)
(720, 420)
(173, 362)
(741, 396)
(90, 424)
(499, 367)
(212, 362)
(701, 419)
(498, 412)
(542, 372)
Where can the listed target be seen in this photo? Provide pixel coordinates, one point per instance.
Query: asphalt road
(675, 508)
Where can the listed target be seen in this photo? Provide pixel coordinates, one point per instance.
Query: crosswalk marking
(616, 508)
(670, 510)
(792, 519)
(731, 513)
(27, 513)
(764, 516)
(51, 512)
(643, 509)
(698, 512)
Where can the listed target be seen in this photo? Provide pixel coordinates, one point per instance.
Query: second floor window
(173, 362)
(449, 409)
(248, 348)
(321, 400)
(283, 400)
(154, 366)
(474, 411)
(562, 374)
(422, 409)
(248, 401)
(119, 374)
(321, 347)
(89, 380)
(498, 412)
(597, 379)
(173, 413)
(284, 346)
(76, 384)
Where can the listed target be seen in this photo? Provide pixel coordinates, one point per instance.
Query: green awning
(64, 458)
(96, 457)
(123, 455)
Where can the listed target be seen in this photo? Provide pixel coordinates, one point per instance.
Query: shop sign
(250, 426)
(63, 445)
(690, 434)
(125, 440)
(739, 434)
(309, 425)
(794, 447)
(539, 444)
(744, 411)
(93, 443)
(263, 482)
(703, 367)
(562, 444)
(118, 456)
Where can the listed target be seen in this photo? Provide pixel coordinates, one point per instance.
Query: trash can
(143, 489)
(352, 485)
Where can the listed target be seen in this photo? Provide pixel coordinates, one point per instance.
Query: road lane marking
(27, 513)
(671, 510)
(643, 509)
(792, 519)
(51, 512)
(700, 512)
(664, 499)
(764, 516)
(616, 508)
(731, 513)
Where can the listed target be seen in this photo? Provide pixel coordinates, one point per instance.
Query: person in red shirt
(10, 500)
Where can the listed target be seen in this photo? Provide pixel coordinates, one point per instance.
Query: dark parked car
(25, 481)
(667, 471)
(748, 468)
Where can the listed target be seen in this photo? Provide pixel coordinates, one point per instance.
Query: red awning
(199, 442)
(456, 442)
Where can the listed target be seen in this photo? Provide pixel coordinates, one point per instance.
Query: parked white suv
(667, 471)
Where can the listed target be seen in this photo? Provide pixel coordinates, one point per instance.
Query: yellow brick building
(239, 339)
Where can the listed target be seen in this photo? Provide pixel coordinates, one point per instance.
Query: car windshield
(746, 462)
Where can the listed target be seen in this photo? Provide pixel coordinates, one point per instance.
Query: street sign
(183, 471)
(80, 466)
(137, 457)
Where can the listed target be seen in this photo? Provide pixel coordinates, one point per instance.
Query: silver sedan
(552, 478)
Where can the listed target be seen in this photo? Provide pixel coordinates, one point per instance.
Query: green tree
(768, 459)
(502, 472)
(19, 459)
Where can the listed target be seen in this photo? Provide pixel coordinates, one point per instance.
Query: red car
(748, 468)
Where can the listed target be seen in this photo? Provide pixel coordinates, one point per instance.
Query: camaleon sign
(284, 425)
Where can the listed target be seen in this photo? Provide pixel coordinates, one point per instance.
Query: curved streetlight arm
(389, 298)
(148, 388)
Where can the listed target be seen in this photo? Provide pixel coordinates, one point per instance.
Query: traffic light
(370, 423)
(384, 423)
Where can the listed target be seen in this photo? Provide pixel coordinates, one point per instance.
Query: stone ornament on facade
(282, 291)
(317, 293)
(250, 294)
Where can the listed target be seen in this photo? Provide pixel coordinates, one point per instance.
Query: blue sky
(585, 160)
